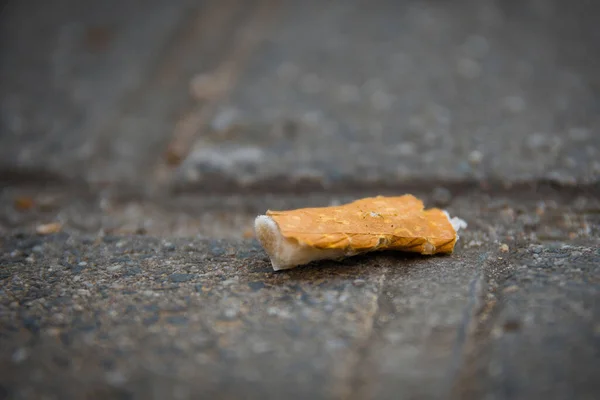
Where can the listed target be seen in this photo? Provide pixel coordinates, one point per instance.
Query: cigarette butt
(297, 237)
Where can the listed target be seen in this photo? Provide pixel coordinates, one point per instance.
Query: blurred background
(270, 94)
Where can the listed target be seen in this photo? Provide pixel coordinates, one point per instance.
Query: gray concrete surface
(546, 294)
(153, 132)
(86, 313)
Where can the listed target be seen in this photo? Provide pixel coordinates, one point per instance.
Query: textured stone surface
(143, 317)
(538, 294)
(195, 315)
(553, 288)
(230, 320)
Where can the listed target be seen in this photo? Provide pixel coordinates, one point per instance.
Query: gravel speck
(359, 282)
(475, 157)
(19, 355)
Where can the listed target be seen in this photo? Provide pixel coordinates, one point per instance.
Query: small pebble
(510, 289)
(47, 229)
(19, 355)
(504, 248)
(475, 157)
(474, 243)
(169, 246)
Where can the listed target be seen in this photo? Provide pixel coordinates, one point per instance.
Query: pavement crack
(470, 351)
(352, 386)
(468, 324)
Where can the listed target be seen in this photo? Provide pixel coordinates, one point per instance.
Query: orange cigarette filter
(297, 237)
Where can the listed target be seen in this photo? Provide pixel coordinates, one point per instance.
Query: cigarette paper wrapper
(297, 237)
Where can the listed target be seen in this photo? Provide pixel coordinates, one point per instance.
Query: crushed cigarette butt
(297, 237)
